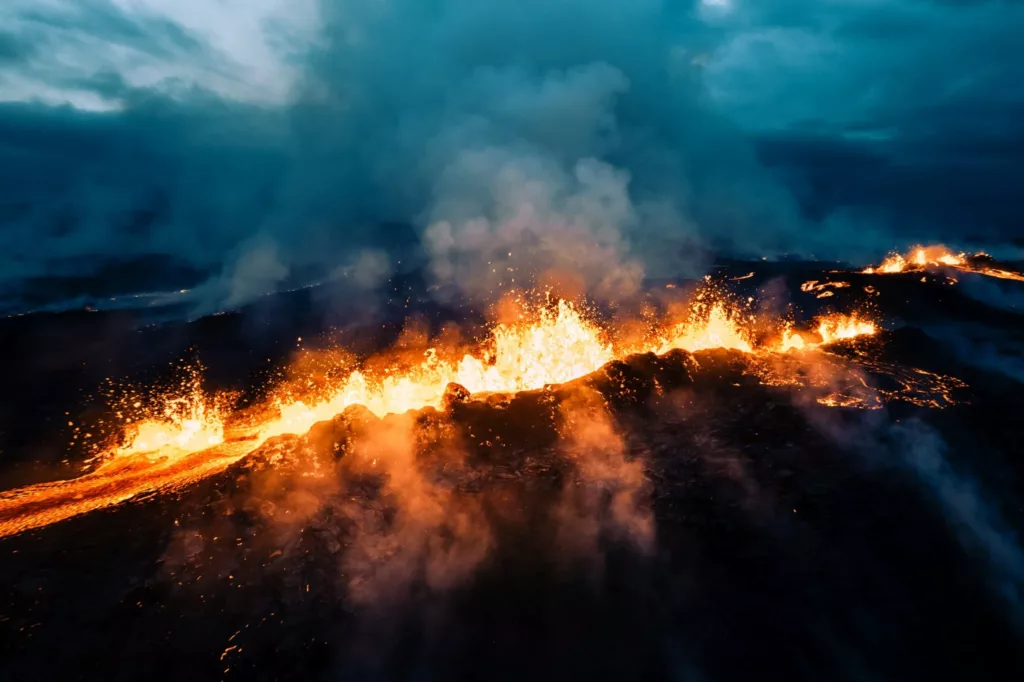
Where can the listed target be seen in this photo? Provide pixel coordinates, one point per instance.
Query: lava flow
(182, 443)
(189, 440)
(922, 258)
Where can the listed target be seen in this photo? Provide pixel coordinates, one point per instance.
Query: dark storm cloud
(899, 116)
(957, 180)
(841, 64)
(652, 132)
(79, 182)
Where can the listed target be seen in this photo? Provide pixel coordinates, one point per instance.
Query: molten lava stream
(120, 480)
(557, 346)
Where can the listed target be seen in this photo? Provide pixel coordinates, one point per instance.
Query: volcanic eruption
(569, 428)
(921, 259)
(551, 342)
(361, 340)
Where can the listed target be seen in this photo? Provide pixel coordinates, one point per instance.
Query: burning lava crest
(531, 364)
(925, 258)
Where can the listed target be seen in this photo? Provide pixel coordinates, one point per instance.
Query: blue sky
(261, 142)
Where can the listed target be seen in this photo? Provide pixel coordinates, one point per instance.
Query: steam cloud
(538, 138)
(516, 141)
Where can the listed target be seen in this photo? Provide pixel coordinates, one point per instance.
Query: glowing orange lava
(710, 325)
(923, 257)
(558, 346)
(918, 259)
(187, 425)
(822, 289)
(117, 481)
(187, 440)
(837, 327)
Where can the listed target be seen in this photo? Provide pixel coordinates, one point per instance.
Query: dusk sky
(245, 145)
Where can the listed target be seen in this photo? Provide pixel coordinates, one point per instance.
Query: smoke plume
(492, 143)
